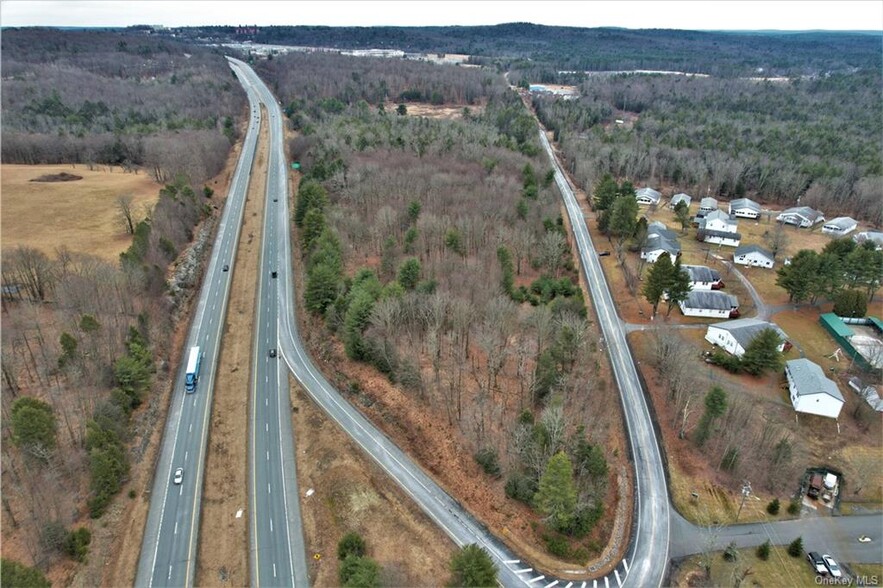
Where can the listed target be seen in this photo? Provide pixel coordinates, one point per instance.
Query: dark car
(273, 352)
(272, 274)
(817, 563)
(226, 268)
(604, 254)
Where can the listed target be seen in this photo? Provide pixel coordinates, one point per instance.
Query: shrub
(773, 506)
(359, 572)
(351, 544)
(763, 550)
(77, 543)
(487, 459)
(521, 487)
(472, 566)
(15, 574)
(795, 548)
(731, 553)
(794, 507)
(556, 545)
(52, 536)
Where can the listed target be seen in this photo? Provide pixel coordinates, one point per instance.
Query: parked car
(817, 563)
(832, 566)
(179, 476)
(604, 254)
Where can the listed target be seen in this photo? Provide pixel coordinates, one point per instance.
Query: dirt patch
(351, 493)
(80, 215)
(442, 111)
(223, 539)
(62, 177)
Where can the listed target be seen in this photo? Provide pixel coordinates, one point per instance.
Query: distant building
(752, 255)
(874, 236)
(745, 208)
(837, 227)
(801, 216)
(647, 196)
(710, 304)
(685, 198)
(660, 240)
(707, 205)
(703, 278)
(735, 336)
(811, 392)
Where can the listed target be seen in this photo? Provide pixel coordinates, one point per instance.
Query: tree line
(117, 98)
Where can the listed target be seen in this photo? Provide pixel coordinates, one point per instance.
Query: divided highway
(169, 546)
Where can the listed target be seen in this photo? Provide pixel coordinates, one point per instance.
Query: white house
(710, 304)
(745, 208)
(707, 205)
(811, 392)
(717, 227)
(801, 216)
(875, 236)
(703, 278)
(842, 225)
(647, 196)
(685, 198)
(734, 336)
(754, 256)
(660, 240)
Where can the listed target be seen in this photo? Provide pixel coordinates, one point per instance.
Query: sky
(635, 14)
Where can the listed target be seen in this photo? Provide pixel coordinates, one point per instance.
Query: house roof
(876, 236)
(721, 234)
(745, 330)
(701, 273)
(803, 211)
(718, 214)
(657, 241)
(746, 249)
(711, 300)
(708, 202)
(834, 324)
(648, 193)
(841, 222)
(678, 197)
(809, 379)
(657, 228)
(744, 203)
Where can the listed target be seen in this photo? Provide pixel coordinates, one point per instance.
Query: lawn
(779, 570)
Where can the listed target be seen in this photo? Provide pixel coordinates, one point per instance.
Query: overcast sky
(695, 15)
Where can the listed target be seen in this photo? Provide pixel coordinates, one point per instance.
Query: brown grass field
(779, 570)
(81, 214)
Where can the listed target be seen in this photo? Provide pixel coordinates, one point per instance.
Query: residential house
(875, 236)
(703, 278)
(647, 196)
(717, 227)
(837, 227)
(707, 205)
(801, 216)
(735, 336)
(685, 198)
(753, 255)
(745, 208)
(710, 304)
(660, 240)
(811, 392)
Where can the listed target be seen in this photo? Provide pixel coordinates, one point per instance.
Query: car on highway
(273, 352)
(272, 274)
(817, 563)
(179, 476)
(226, 267)
(832, 566)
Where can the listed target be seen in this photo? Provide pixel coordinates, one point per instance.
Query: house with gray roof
(801, 216)
(717, 227)
(811, 391)
(647, 196)
(735, 336)
(706, 205)
(703, 278)
(710, 304)
(685, 198)
(837, 227)
(744, 207)
(660, 239)
(753, 255)
(875, 236)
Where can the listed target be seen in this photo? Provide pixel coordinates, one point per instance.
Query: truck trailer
(193, 363)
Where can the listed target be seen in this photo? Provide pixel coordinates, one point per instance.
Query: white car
(832, 566)
(179, 476)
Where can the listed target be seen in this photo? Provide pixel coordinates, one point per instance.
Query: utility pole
(746, 490)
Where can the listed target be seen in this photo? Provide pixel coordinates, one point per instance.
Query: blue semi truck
(192, 376)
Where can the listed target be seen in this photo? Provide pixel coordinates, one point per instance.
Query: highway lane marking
(616, 573)
(186, 453)
(555, 583)
(266, 402)
(267, 427)
(271, 525)
(170, 573)
(625, 564)
(191, 428)
(181, 491)
(512, 561)
(176, 527)
(274, 570)
(606, 581)
(537, 579)
(268, 456)
(524, 571)
(269, 488)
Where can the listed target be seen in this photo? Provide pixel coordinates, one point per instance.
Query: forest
(816, 140)
(117, 98)
(543, 51)
(434, 251)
